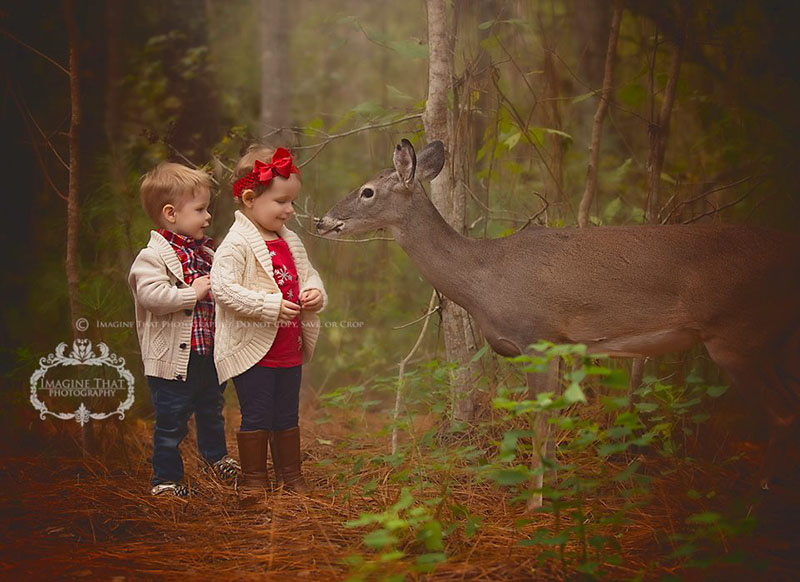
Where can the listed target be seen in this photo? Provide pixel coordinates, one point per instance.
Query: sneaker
(170, 489)
(227, 469)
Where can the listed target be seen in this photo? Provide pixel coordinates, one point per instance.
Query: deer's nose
(327, 225)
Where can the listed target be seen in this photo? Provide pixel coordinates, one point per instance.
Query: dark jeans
(175, 401)
(269, 397)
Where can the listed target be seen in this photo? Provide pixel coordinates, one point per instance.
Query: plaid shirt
(196, 263)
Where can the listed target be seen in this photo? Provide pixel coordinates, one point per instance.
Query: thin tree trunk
(555, 178)
(71, 256)
(440, 124)
(275, 78)
(658, 131)
(599, 116)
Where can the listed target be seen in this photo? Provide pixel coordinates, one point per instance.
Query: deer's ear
(405, 161)
(431, 160)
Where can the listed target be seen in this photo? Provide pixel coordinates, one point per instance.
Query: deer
(623, 291)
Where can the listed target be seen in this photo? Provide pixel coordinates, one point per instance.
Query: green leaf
(369, 109)
(511, 476)
(668, 179)
(380, 539)
(398, 94)
(427, 562)
(479, 354)
(632, 94)
(615, 403)
(412, 49)
(542, 537)
(612, 209)
(553, 131)
(607, 449)
(431, 535)
(574, 393)
(705, 518)
(627, 472)
(716, 391)
(536, 135)
(621, 172)
(472, 526)
(512, 140)
(616, 379)
(582, 97)
(646, 406)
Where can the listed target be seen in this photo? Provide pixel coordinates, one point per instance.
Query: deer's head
(388, 198)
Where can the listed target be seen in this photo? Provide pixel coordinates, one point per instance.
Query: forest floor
(64, 517)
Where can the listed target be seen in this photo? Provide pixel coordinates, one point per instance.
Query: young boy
(175, 322)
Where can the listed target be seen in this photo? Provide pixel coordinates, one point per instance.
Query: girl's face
(273, 208)
(190, 217)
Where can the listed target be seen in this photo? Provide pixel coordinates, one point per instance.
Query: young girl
(267, 296)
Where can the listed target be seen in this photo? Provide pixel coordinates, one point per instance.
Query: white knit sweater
(164, 307)
(248, 299)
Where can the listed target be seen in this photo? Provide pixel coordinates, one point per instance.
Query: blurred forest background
(702, 123)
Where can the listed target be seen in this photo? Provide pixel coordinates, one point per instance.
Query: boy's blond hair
(245, 165)
(170, 183)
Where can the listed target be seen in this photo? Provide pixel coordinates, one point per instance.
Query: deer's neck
(449, 261)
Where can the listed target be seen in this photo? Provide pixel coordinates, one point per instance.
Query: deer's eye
(367, 193)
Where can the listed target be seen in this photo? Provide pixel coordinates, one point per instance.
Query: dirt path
(64, 518)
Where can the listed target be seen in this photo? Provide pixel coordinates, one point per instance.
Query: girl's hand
(311, 299)
(289, 310)
(201, 286)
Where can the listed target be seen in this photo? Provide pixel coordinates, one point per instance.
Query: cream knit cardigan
(164, 307)
(248, 299)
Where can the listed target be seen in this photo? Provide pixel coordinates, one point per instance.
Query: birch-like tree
(439, 123)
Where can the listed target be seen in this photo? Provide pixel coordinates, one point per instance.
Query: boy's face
(190, 217)
(273, 208)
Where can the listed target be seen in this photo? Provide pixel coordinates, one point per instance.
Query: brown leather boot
(253, 446)
(286, 459)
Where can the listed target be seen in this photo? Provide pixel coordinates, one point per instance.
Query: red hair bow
(263, 172)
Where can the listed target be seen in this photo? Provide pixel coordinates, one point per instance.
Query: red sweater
(287, 349)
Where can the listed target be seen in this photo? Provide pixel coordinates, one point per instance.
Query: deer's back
(623, 279)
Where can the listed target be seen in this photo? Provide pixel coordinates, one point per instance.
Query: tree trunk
(71, 257)
(274, 58)
(599, 116)
(590, 21)
(658, 131)
(440, 124)
(554, 184)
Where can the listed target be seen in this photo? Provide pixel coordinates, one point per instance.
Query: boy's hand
(289, 310)
(311, 299)
(201, 286)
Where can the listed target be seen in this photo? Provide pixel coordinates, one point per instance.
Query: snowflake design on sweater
(289, 294)
(282, 275)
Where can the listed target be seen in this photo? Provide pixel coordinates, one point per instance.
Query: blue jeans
(269, 397)
(175, 401)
